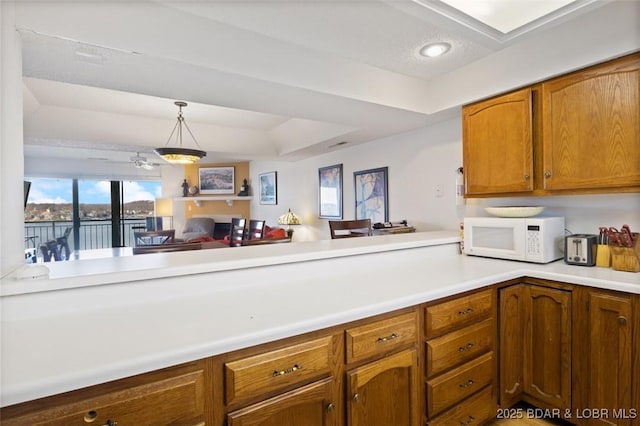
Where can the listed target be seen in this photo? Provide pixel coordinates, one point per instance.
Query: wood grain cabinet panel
(381, 337)
(172, 397)
(385, 392)
(310, 405)
(611, 324)
(574, 134)
(278, 369)
(460, 365)
(512, 323)
(547, 345)
(459, 346)
(454, 314)
(452, 387)
(591, 127)
(473, 411)
(498, 144)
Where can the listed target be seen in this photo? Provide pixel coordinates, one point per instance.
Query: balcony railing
(94, 234)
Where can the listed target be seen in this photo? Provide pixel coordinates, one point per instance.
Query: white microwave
(530, 239)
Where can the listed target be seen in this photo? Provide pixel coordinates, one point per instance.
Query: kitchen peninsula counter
(188, 308)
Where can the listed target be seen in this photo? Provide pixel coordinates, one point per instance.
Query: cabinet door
(310, 405)
(385, 392)
(498, 145)
(610, 326)
(591, 130)
(512, 310)
(547, 350)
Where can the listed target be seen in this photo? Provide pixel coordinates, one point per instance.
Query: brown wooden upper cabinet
(498, 145)
(578, 133)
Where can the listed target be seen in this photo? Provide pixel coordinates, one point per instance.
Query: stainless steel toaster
(580, 249)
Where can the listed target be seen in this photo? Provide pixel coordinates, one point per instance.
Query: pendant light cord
(178, 126)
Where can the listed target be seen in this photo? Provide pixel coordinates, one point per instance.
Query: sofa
(198, 228)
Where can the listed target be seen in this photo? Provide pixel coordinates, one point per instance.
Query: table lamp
(289, 218)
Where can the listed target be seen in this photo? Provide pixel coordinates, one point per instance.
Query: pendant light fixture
(180, 155)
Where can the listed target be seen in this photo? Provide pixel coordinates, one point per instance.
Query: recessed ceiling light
(435, 49)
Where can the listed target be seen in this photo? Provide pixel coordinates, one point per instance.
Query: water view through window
(50, 213)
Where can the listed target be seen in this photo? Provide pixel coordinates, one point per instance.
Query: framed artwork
(217, 180)
(330, 192)
(372, 195)
(269, 188)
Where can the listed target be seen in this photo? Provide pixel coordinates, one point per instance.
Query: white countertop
(110, 270)
(76, 336)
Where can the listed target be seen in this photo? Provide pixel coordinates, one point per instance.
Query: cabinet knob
(90, 416)
(331, 407)
(111, 423)
(527, 177)
(622, 320)
(547, 174)
(356, 397)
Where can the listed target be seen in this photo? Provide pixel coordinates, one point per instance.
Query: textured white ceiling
(271, 79)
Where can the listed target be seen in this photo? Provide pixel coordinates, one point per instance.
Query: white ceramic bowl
(514, 211)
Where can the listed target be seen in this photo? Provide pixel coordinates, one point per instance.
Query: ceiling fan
(140, 162)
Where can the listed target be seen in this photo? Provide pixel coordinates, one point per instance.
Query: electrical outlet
(439, 190)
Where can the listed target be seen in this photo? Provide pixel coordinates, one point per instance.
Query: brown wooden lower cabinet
(174, 396)
(385, 392)
(547, 346)
(535, 344)
(511, 344)
(560, 346)
(310, 405)
(611, 323)
(573, 348)
(472, 411)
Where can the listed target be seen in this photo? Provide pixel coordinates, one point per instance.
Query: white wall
(11, 150)
(417, 162)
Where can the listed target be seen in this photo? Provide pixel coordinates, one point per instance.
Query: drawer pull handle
(293, 369)
(466, 311)
(90, 416)
(469, 420)
(466, 347)
(387, 338)
(466, 384)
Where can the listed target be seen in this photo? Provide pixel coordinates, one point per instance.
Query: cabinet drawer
(380, 337)
(459, 346)
(475, 410)
(311, 404)
(455, 385)
(457, 313)
(277, 369)
(175, 399)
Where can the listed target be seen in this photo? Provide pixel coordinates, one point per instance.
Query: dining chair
(153, 238)
(237, 232)
(350, 228)
(256, 229)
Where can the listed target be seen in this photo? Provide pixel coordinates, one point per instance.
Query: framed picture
(269, 188)
(330, 192)
(372, 195)
(217, 180)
